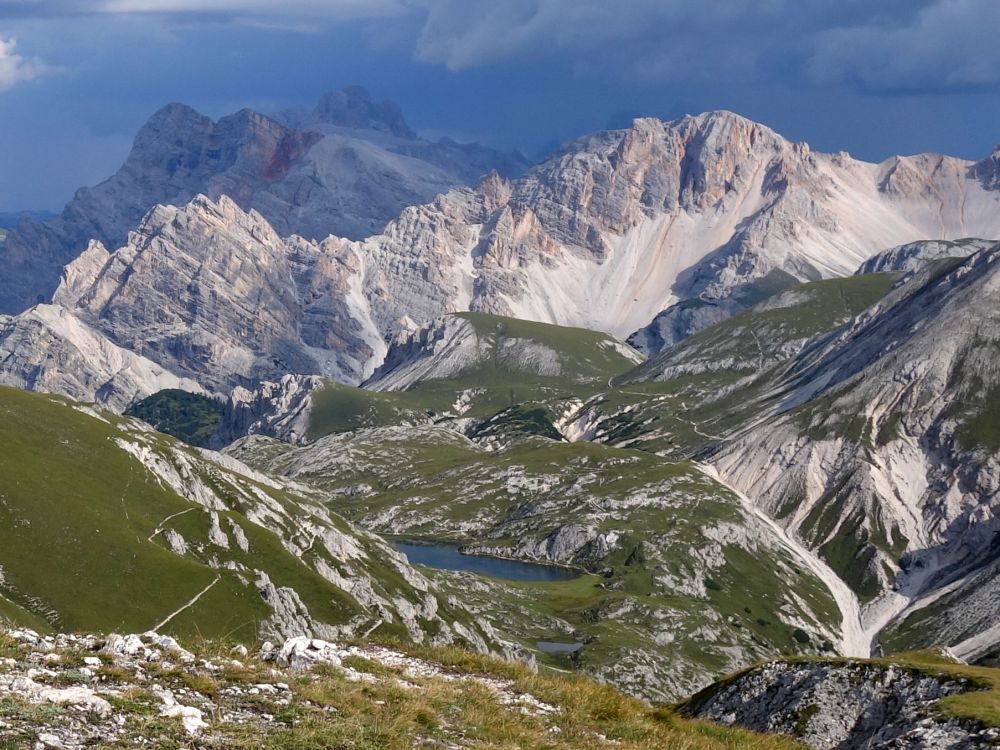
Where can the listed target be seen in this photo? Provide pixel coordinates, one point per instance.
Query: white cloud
(14, 68)
(327, 9)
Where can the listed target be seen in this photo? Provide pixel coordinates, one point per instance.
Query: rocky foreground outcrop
(83, 688)
(66, 692)
(843, 706)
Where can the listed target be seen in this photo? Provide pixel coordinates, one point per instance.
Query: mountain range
(650, 233)
(743, 394)
(346, 168)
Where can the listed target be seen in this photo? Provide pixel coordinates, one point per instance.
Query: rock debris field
(77, 691)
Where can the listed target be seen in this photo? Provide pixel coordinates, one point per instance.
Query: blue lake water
(447, 557)
(555, 647)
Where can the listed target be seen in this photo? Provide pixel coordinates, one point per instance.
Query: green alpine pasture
(587, 360)
(83, 526)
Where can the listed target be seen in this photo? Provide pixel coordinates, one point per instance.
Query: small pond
(447, 557)
(554, 647)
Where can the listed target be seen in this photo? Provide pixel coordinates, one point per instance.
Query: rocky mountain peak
(234, 301)
(353, 107)
(180, 153)
(723, 153)
(175, 116)
(727, 131)
(496, 191)
(78, 275)
(348, 169)
(988, 170)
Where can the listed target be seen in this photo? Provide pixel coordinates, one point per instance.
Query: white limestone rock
(277, 409)
(915, 255)
(303, 652)
(49, 349)
(605, 234)
(878, 431)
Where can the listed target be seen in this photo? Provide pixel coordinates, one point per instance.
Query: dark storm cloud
(875, 45)
(885, 46)
(877, 77)
(948, 46)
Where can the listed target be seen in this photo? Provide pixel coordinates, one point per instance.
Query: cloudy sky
(873, 77)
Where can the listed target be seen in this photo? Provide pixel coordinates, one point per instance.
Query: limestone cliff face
(688, 216)
(619, 226)
(212, 292)
(48, 349)
(880, 454)
(277, 409)
(988, 170)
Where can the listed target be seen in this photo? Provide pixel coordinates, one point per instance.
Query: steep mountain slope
(48, 349)
(883, 456)
(873, 444)
(713, 210)
(280, 409)
(459, 367)
(771, 331)
(617, 226)
(487, 349)
(213, 293)
(106, 525)
(343, 174)
(697, 392)
(915, 255)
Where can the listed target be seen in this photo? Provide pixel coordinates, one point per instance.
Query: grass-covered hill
(106, 524)
(490, 350)
(478, 366)
(473, 365)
